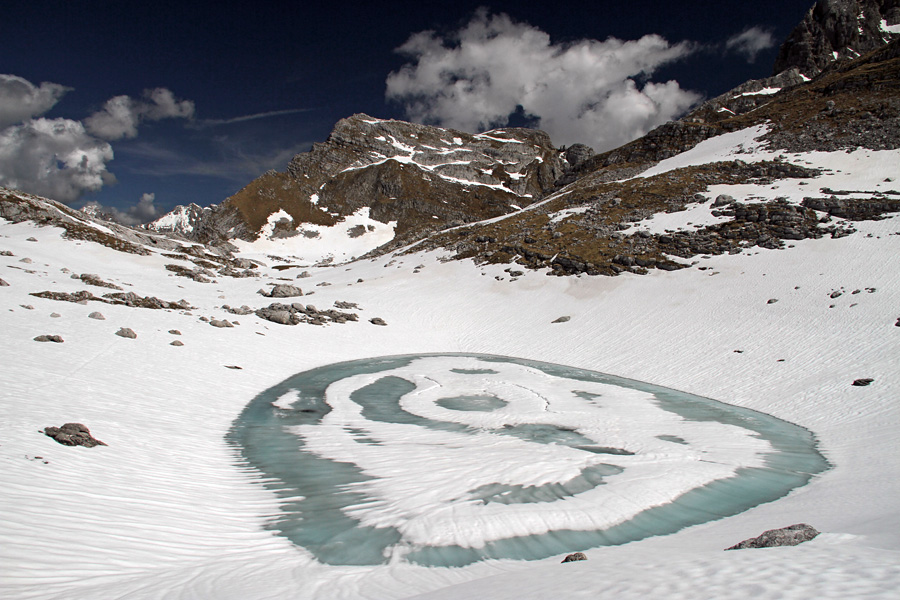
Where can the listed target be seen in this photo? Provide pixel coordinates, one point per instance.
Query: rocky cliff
(838, 29)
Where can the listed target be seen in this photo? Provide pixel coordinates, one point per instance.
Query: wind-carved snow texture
(446, 460)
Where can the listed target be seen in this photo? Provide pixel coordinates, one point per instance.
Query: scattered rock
(723, 200)
(128, 299)
(864, 381)
(345, 305)
(772, 301)
(562, 319)
(6, 253)
(243, 310)
(97, 315)
(177, 343)
(125, 332)
(377, 321)
(575, 557)
(786, 536)
(31, 239)
(222, 323)
(174, 332)
(198, 274)
(73, 434)
(55, 315)
(95, 280)
(49, 338)
(3, 283)
(26, 260)
(836, 294)
(296, 313)
(27, 306)
(282, 290)
(233, 367)
(280, 316)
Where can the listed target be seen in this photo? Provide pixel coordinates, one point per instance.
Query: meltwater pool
(448, 459)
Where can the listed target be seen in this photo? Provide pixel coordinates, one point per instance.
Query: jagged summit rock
(417, 178)
(838, 29)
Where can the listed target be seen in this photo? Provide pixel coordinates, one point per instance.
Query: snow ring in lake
(444, 460)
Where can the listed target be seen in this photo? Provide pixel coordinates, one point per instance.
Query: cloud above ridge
(120, 116)
(142, 212)
(63, 159)
(750, 42)
(55, 158)
(586, 91)
(20, 99)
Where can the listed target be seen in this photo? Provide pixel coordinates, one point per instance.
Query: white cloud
(142, 212)
(20, 99)
(750, 42)
(62, 158)
(582, 92)
(121, 115)
(56, 158)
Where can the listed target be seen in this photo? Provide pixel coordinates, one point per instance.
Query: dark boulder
(73, 434)
(49, 338)
(575, 557)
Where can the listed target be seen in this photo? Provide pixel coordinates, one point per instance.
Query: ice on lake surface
(448, 459)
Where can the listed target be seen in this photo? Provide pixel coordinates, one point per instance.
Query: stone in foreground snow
(73, 434)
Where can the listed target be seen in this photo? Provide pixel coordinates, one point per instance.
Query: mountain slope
(416, 178)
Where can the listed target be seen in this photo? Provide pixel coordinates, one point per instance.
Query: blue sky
(179, 102)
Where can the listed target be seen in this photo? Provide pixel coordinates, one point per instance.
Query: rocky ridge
(422, 180)
(417, 177)
(509, 196)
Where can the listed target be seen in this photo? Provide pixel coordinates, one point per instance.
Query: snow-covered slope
(167, 511)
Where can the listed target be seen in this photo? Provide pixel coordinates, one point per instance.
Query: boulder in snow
(49, 338)
(574, 557)
(73, 434)
(786, 536)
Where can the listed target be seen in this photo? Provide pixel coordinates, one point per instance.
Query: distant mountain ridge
(422, 178)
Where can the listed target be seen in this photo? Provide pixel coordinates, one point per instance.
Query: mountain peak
(838, 29)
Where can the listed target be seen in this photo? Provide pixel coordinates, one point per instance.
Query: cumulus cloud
(750, 42)
(586, 91)
(20, 99)
(142, 212)
(120, 116)
(56, 158)
(63, 158)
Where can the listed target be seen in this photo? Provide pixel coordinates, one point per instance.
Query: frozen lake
(448, 459)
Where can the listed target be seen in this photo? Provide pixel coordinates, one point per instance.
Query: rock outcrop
(786, 536)
(296, 313)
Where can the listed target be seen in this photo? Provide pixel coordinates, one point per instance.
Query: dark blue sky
(316, 61)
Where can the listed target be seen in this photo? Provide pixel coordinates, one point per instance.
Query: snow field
(165, 512)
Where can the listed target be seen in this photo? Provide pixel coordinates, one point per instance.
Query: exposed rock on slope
(588, 227)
